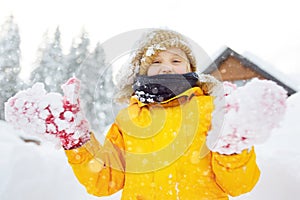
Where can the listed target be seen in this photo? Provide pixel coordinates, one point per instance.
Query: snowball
(247, 117)
(38, 112)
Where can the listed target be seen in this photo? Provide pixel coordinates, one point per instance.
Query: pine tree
(51, 69)
(96, 89)
(78, 54)
(9, 62)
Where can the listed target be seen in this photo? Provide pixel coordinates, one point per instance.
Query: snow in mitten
(246, 115)
(37, 112)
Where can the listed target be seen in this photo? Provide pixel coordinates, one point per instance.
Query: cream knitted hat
(159, 40)
(148, 47)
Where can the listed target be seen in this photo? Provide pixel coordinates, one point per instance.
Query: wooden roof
(248, 64)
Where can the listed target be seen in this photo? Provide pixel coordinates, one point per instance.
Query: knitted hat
(148, 47)
(157, 41)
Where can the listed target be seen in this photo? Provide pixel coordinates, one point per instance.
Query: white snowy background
(267, 29)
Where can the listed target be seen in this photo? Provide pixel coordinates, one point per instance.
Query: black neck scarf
(159, 88)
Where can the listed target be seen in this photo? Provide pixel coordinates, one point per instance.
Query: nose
(165, 69)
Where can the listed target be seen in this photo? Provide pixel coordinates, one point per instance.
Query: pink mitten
(37, 112)
(247, 116)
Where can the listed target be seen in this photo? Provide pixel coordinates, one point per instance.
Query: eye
(177, 61)
(156, 62)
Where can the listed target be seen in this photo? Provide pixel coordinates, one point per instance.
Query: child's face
(170, 61)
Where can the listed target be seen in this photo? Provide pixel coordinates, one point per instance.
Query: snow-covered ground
(29, 171)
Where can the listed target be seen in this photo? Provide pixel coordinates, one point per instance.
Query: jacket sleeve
(100, 169)
(236, 174)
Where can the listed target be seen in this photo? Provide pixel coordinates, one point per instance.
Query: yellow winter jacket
(157, 151)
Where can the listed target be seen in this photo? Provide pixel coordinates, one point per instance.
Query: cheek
(152, 71)
(182, 69)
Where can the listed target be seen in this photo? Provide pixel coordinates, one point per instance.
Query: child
(156, 147)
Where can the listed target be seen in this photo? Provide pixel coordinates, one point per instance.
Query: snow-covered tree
(51, 69)
(96, 89)
(54, 68)
(78, 53)
(10, 82)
